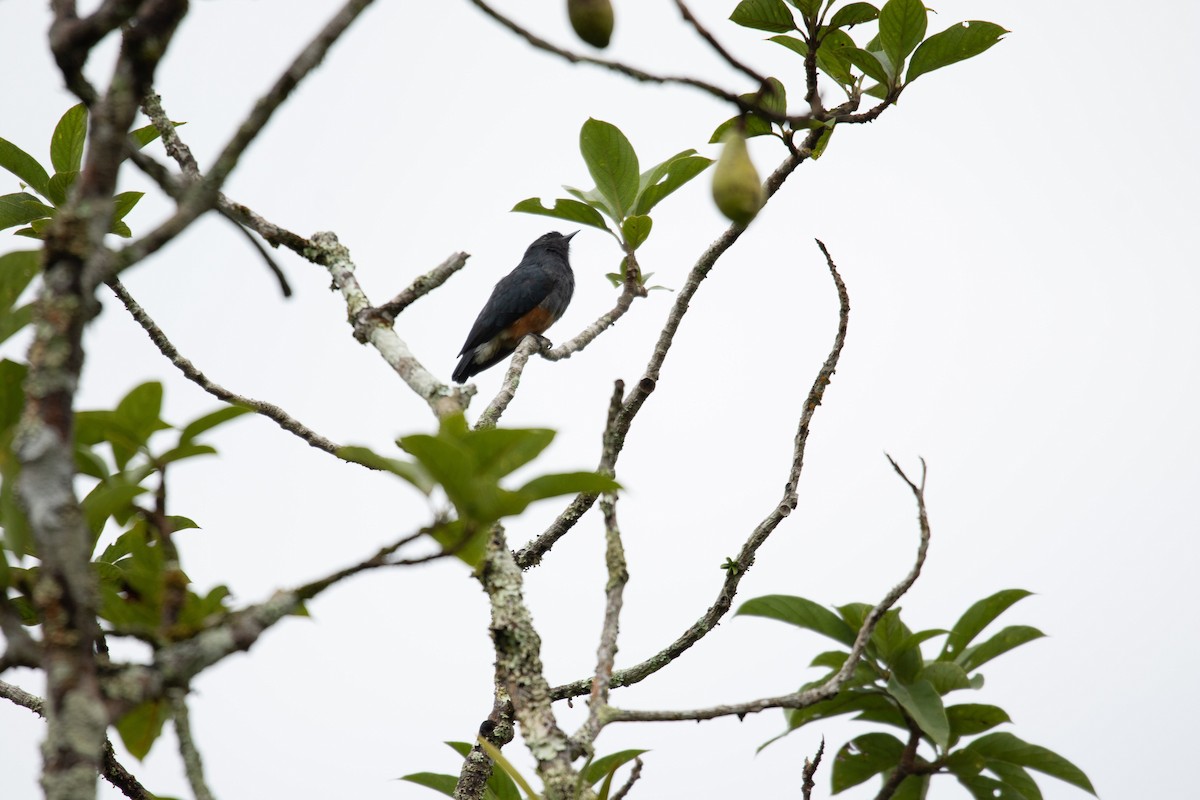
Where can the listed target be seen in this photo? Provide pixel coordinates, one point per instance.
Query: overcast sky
(1018, 239)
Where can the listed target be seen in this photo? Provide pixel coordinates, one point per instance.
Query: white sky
(1017, 241)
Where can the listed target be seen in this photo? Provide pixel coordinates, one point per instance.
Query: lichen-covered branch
(519, 671)
(193, 766)
(378, 332)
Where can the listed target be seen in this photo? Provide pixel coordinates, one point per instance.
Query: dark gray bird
(527, 300)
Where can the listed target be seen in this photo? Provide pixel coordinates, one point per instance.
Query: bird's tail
(466, 367)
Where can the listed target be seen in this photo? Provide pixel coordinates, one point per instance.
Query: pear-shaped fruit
(736, 189)
(592, 20)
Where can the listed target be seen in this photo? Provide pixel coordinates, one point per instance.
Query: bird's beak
(570, 236)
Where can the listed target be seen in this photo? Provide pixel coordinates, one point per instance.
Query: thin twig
(422, 286)
(618, 576)
(634, 774)
(275, 269)
(745, 559)
(716, 46)
(828, 689)
(193, 767)
(189, 370)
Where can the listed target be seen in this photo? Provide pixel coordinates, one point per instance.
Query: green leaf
(12, 395)
(562, 483)
(957, 43)
(607, 765)
(809, 8)
(945, 676)
(28, 232)
(773, 99)
(451, 465)
(180, 523)
(15, 320)
(111, 498)
(924, 705)
(902, 26)
(139, 410)
(209, 421)
(24, 166)
(1008, 748)
(754, 126)
(863, 757)
(662, 179)
(965, 763)
(855, 614)
(410, 472)
(569, 210)
(764, 15)
(635, 229)
(1015, 777)
(500, 786)
(184, 451)
(594, 199)
(831, 61)
(501, 451)
(851, 702)
(969, 719)
(16, 272)
(124, 202)
(21, 208)
(801, 612)
(982, 787)
(612, 163)
(1011, 637)
(66, 145)
(142, 726)
(895, 646)
(914, 787)
(866, 61)
(853, 14)
(148, 133)
(432, 780)
(978, 617)
(120, 229)
(60, 186)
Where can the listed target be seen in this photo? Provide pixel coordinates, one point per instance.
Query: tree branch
(808, 697)
(189, 370)
(641, 75)
(192, 764)
(786, 505)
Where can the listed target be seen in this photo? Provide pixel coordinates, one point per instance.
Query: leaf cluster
(67, 145)
(506, 783)
(623, 197)
(896, 685)
(469, 465)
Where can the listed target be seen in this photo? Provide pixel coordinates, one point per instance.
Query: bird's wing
(517, 293)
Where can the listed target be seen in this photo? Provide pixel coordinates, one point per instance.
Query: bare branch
(202, 195)
(498, 730)
(421, 287)
(634, 775)
(189, 370)
(618, 576)
(192, 764)
(787, 504)
(529, 345)
(275, 269)
(641, 75)
(831, 687)
(907, 760)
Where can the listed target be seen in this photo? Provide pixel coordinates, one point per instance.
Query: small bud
(592, 20)
(736, 189)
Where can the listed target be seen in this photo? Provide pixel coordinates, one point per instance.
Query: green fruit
(592, 20)
(736, 189)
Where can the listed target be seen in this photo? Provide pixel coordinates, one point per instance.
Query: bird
(527, 300)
